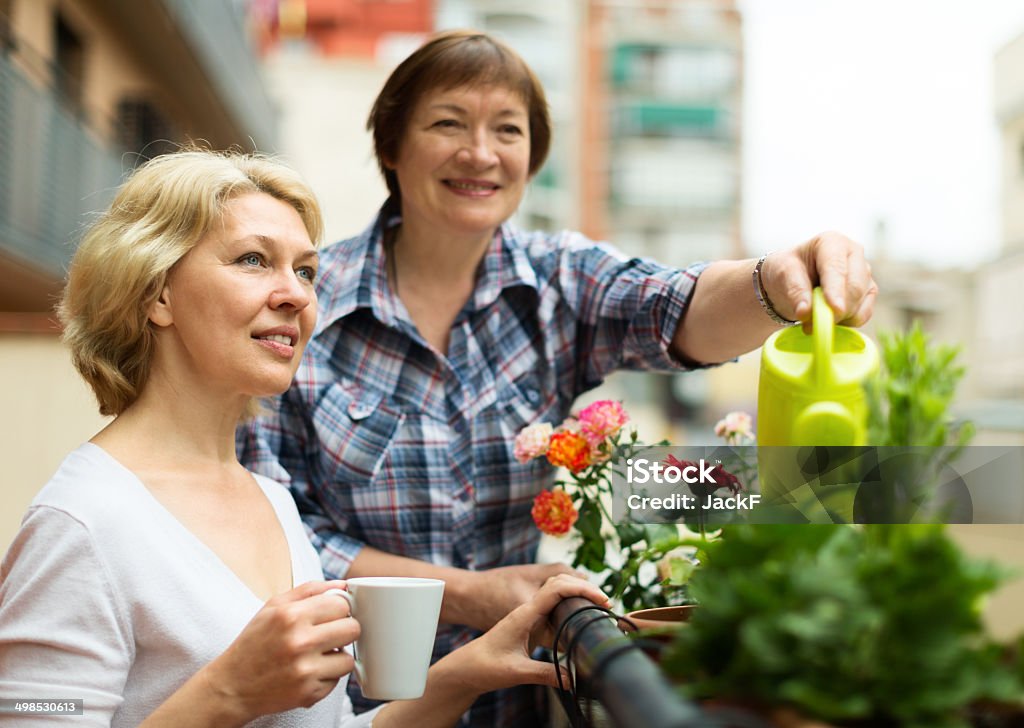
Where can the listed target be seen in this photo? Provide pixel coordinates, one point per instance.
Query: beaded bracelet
(762, 296)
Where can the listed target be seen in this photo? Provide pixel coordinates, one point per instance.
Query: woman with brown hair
(445, 330)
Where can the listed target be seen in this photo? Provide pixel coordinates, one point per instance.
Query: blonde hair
(163, 209)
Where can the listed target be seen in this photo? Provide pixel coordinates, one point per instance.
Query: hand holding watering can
(811, 387)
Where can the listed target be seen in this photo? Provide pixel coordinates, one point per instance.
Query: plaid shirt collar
(360, 281)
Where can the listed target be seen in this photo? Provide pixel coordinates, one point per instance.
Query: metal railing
(608, 667)
(53, 170)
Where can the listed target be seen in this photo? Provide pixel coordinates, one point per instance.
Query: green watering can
(810, 391)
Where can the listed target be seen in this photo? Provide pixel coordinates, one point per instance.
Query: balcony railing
(216, 33)
(53, 170)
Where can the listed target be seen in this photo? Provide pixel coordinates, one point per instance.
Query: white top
(106, 596)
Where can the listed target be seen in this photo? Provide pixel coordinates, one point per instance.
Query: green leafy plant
(910, 398)
(867, 626)
(909, 403)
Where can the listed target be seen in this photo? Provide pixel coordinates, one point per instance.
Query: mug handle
(351, 599)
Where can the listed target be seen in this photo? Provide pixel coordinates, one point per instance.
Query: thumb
(521, 621)
(543, 673)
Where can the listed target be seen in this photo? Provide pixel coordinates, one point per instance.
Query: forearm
(724, 318)
(446, 697)
(197, 704)
(458, 583)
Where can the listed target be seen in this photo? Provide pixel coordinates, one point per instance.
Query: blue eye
(253, 259)
(306, 272)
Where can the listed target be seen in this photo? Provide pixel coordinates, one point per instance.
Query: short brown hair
(120, 267)
(448, 60)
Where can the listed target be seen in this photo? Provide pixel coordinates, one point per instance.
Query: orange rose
(569, 450)
(553, 512)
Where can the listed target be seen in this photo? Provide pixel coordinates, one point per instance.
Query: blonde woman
(154, 576)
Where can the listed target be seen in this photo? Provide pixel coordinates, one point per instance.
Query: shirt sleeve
(627, 309)
(279, 445)
(63, 633)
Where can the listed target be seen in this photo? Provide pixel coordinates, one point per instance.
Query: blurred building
(999, 295)
(324, 62)
(87, 89)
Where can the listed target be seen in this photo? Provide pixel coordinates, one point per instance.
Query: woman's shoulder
(546, 243)
(89, 484)
(554, 255)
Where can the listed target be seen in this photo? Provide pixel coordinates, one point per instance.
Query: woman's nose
(290, 291)
(478, 152)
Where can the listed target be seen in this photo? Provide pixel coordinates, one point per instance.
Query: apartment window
(69, 61)
(6, 26)
(144, 129)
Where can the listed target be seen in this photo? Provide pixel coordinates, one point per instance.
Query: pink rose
(735, 427)
(601, 420)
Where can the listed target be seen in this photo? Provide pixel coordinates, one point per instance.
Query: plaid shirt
(388, 443)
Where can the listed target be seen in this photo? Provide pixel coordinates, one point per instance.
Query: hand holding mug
(287, 656)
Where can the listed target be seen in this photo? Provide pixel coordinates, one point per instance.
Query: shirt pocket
(356, 428)
(524, 401)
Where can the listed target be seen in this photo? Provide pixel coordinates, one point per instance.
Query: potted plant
(874, 625)
(858, 626)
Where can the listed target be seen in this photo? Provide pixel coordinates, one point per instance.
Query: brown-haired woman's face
(464, 161)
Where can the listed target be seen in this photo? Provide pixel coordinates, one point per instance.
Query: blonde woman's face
(239, 308)
(463, 164)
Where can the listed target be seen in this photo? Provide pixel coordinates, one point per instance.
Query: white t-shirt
(106, 596)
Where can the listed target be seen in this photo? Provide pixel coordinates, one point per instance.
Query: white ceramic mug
(398, 617)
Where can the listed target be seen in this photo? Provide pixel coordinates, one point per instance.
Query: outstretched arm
(725, 319)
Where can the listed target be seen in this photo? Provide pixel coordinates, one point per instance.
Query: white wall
(324, 103)
(47, 412)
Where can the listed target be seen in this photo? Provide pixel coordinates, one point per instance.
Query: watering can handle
(823, 324)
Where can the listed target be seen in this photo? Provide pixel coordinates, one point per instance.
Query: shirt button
(359, 410)
(532, 396)
(460, 426)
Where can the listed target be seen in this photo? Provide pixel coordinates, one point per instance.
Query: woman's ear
(160, 310)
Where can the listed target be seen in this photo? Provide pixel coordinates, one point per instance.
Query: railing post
(630, 687)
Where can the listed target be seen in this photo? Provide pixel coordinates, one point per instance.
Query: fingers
(837, 264)
(562, 586)
(336, 634)
(831, 260)
(336, 664)
(306, 590)
(861, 291)
(786, 277)
(542, 673)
